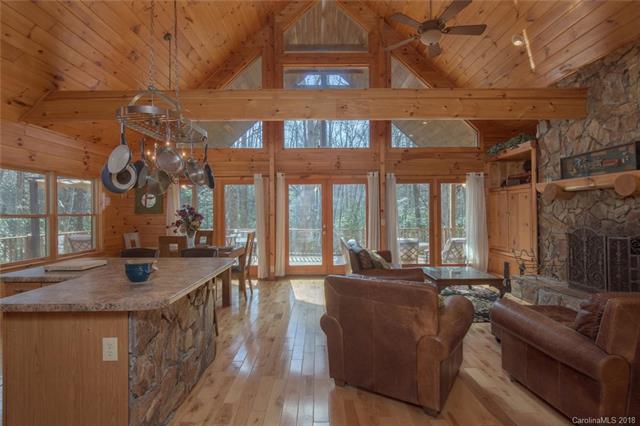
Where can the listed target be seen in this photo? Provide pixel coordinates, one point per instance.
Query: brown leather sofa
(579, 375)
(408, 274)
(391, 337)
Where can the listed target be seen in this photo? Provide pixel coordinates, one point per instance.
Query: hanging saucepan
(208, 173)
(194, 171)
(121, 155)
(141, 167)
(119, 182)
(168, 159)
(158, 182)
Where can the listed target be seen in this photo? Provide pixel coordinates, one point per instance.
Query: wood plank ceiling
(99, 45)
(564, 36)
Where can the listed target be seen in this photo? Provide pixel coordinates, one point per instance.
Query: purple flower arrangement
(189, 221)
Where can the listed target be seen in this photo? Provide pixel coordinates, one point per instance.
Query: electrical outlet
(109, 348)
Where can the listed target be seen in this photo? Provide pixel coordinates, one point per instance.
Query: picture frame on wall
(148, 203)
(614, 159)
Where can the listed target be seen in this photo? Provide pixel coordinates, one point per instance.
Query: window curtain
(173, 204)
(391, 210)
(261, 227)
(477, 242)
(373, 207)
(280, 224)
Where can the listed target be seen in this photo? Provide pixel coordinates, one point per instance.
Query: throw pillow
(378, 261)
(364, 260)
(589, 315)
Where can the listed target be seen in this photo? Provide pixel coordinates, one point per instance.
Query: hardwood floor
(271, 368)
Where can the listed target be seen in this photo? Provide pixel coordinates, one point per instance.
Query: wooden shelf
(520, 153)
(625, 184)
(512, 187)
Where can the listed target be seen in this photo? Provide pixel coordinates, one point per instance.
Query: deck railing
(22, 247)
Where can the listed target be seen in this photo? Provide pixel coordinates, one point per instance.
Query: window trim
(56, 216)
(51, 217)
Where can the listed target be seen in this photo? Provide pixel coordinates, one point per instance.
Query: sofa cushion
(589, 315)
(561, 314)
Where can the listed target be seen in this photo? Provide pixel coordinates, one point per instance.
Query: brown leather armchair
(407, 274)
(579, 376)
(391, 337)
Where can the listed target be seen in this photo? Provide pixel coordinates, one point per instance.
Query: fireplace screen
(623, 263)
(603, 263)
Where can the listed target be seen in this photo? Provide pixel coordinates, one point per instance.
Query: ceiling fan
(430, 31)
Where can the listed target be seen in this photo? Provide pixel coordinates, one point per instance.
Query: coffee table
(445, 276)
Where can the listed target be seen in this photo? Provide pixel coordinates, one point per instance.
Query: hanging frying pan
(168, 159)
(158, 182)
(121, 155)
(194, 171)
(208, 173)
(141, 167)
(119, 182)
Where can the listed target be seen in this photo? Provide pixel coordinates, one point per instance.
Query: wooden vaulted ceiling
(99, 45)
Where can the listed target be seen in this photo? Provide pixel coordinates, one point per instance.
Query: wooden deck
(271, 368)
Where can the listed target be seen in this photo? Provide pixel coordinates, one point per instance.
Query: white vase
(191, 240)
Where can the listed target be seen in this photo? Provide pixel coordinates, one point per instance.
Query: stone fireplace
(572, 259)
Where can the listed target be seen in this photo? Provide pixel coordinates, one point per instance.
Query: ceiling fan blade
(400, 43)
(453, 9)
(404, 19)
(434, 50)
(465, 30)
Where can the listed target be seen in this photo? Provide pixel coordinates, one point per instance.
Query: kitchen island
(96, 349)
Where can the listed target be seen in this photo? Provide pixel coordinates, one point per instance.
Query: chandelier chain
(152, 55)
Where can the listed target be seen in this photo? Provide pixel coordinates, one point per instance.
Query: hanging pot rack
(164, 123)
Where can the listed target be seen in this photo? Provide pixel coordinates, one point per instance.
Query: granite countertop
(106, 288)
(39, 275)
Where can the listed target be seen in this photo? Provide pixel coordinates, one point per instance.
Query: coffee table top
(463, 274)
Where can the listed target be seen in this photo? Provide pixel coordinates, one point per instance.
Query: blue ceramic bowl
(138, 272)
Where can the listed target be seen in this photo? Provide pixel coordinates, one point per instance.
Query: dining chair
(140, 252)
(131, 240)
(204, 238)
(241, 270)
(206, 252)
(171, 246)
(199, 252)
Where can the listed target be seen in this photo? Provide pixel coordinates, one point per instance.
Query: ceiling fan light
(517, 40)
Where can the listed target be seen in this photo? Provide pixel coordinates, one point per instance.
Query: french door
(319, 213)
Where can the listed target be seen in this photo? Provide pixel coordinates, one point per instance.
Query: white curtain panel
(391, 209)
(373, 205)
(261, 227)
(477, 241)
(280, 224)
(173, 204)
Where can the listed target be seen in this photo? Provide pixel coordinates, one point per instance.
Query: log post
(627, 185)
(554, 192)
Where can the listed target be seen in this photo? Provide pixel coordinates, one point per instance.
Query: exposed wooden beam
(356, 104)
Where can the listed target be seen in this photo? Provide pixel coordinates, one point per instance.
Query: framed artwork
(148, 203)
(614, 159)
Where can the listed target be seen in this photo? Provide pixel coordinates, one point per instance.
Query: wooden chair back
(131, 240)
(248, 250)
(139, 252)
(172, 246)
(204, 238)
(199, 252)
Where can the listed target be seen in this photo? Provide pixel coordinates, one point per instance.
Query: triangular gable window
(325, 28)
(426, 133)
(239, 134)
